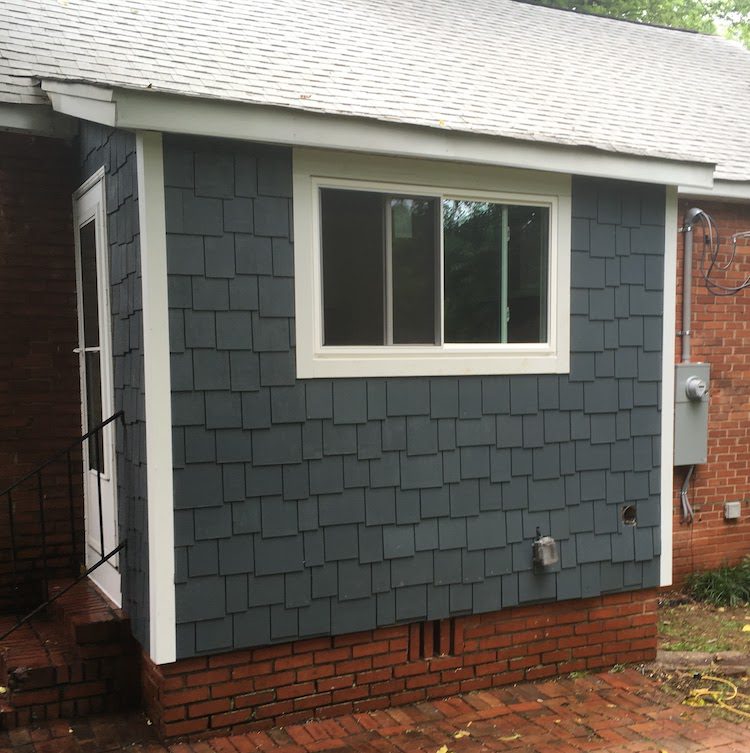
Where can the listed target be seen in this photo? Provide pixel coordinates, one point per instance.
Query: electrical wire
(710, 258)
(687, 509)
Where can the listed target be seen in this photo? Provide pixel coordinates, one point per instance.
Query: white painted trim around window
(667, 382)
(314, 169)
(158, 397)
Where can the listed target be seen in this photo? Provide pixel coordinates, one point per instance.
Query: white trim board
(158, 402)
(90, 206)
(667, 385)
(81, 101)
(137, 110)
(726, 190)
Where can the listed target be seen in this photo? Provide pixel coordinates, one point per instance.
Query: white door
(97, 393)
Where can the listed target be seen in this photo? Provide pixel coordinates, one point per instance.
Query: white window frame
(315, 169)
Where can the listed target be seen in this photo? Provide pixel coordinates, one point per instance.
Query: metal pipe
(687, 282)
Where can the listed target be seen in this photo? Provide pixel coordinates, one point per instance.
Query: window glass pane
(353, 267)
(527, 274)
(472, 240)
(94, 409)
(495, 272)
(413, 245)
(87, 236)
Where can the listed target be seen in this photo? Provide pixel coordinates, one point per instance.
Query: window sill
(456, 360)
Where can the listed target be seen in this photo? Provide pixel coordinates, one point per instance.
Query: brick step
(77, 659)
(88, 616)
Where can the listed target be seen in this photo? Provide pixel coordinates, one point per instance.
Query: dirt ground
(688, 626)
(694, 626)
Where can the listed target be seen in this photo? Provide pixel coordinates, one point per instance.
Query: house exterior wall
(316, 507)
(115, 150)
(721, 338)
(39, 392)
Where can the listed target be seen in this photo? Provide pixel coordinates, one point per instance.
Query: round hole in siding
(628, 515)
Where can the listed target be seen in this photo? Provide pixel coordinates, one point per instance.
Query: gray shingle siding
(115, 151)
(347, 504)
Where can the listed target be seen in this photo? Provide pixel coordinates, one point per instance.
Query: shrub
(727, 586)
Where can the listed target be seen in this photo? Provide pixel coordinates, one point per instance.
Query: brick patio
(610, 713)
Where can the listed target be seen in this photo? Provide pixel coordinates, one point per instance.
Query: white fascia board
(671, 221)
(158, 398)
(221, 119)
(728, 190)
(39, 120)
(93, 103)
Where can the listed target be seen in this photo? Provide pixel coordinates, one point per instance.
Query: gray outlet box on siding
(691, 413)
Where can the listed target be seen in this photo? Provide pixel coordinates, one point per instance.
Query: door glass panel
(413, 224)
(94, 409)
(89, 286)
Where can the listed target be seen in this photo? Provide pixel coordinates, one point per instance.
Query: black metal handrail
(36, 474)
(72, 446)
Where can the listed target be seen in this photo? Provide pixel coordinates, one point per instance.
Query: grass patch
(725, 587)
(702, 627)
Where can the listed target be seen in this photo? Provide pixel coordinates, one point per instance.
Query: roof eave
(82, 101)
(35, 119)
(724, 190)
(156, 111)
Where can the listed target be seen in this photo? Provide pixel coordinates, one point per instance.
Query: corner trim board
(667, 392)
(158, 403)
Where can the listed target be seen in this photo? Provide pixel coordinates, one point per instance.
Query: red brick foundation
(721, 337)
(325, 677)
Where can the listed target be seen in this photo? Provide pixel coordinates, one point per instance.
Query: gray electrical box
(691, 413)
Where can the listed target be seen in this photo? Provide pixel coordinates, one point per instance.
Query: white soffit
(222, 119)
(36, 119)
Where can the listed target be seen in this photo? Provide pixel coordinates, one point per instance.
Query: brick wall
(721, 337)
(291, 682)
(39, 391)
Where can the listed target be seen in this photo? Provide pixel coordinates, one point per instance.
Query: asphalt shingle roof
(495, 67)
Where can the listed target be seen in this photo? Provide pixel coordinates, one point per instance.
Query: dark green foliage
(730, 17)
(727, 586)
